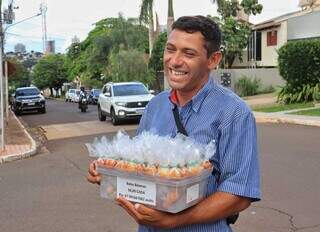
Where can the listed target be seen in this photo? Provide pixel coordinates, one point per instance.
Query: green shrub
(299, 65)
(247, 87)
(308, 93)
(268, 89)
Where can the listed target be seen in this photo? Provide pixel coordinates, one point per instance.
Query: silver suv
(122, 100)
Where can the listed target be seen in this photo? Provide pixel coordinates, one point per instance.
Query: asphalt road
(49, 192)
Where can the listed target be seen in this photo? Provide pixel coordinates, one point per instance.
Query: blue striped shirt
(214, 113)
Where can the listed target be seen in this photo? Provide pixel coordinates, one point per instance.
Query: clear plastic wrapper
(153, 154)
(169, 174)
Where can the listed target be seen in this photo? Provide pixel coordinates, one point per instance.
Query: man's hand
(147, 216)
(93, 176)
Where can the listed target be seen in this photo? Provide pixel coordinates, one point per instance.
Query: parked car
(94, 96)
(69, 94)
(26, 99)
(76, 96)
(123, 100)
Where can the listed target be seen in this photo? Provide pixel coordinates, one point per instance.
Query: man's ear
(214, 60)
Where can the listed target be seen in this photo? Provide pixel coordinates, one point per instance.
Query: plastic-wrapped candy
(155, 155)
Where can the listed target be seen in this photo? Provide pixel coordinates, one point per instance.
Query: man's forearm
(218, 206)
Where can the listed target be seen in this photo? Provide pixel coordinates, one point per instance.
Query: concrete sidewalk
(279, 117)
(19, 143)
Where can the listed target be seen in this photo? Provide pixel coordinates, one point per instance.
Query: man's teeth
(178, 72)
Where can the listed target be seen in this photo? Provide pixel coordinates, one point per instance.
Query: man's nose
(176, 59)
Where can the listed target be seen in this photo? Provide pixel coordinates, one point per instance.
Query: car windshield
(78, 92)
(127, 90)
(27, 92)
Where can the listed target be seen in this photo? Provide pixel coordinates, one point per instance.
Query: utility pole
(1, 85)
(43, 11)
(7, 17)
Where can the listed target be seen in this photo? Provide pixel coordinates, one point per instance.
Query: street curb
(284, 119)
(31, 152)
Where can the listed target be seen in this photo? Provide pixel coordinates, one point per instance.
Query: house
(268, 36)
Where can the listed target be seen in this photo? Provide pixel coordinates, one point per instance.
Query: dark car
(27, 99)
(94, 95)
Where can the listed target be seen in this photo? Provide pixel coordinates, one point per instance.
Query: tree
(170, 18)
(88, 59)
(146, 16)
(128, 65)
(50, 72)
(156, 59)
(21, 76)
(236, 31)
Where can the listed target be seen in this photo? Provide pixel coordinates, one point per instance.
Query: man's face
(186, 64)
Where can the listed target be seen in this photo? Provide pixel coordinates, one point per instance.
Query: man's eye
(190, 54)
(169, 49)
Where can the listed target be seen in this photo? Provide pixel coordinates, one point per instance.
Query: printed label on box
(192, 193)
(137, 190)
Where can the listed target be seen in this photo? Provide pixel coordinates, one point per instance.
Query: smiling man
(207, 112)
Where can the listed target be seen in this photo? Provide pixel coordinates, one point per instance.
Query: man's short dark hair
(208, 28)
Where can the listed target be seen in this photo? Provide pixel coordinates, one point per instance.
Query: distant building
(75, 39)
(50, 47)
(22, 57)
(20, 48)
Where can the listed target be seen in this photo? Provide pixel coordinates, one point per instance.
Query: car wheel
(114, 119)
(43, 110)
(100, 115)
(17, 112)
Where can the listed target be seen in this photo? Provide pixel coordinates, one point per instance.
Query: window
(27, 92)
(254, 46)
(127, 90)
(104, 90)
(108, 90)
(272, 38)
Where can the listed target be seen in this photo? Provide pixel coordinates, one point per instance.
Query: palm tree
(170, 18)
(146, 16)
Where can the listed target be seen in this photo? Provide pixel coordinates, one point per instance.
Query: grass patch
(281, 107)
(313, 112)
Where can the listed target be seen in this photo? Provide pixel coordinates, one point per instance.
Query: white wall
(269, 54)
(267, 76)
(244, 62)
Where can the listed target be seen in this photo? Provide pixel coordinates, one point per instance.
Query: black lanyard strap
(177, 119)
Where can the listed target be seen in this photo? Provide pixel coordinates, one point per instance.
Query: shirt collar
(196, 100)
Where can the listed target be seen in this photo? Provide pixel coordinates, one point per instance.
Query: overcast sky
(69, 18)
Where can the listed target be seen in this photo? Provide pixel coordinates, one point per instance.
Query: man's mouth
(177, 72)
